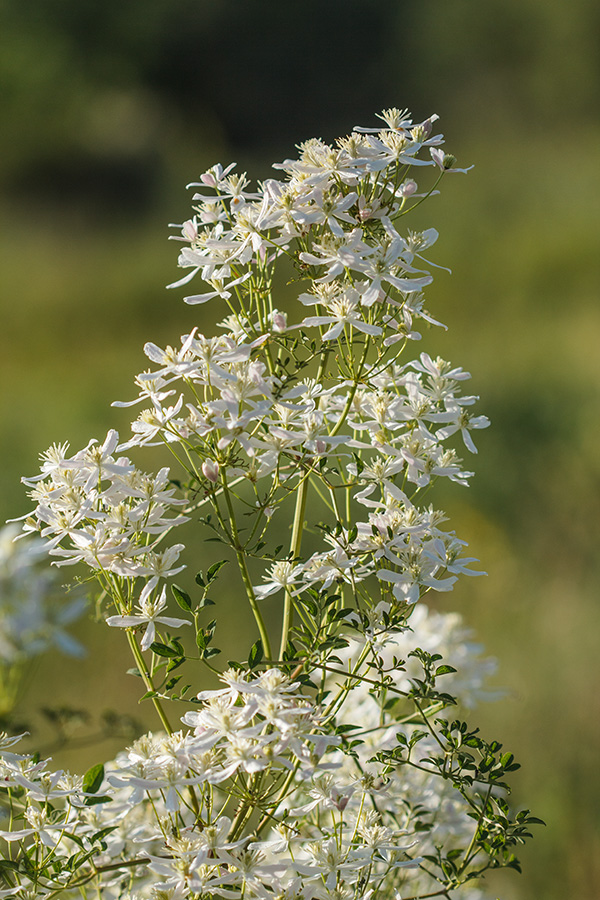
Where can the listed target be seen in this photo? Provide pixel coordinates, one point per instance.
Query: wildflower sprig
(323, 767)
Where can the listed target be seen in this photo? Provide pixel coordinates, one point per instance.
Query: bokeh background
(109, 108)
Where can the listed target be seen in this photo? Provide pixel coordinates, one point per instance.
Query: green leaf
(93, 779)
(100, 835)
(175, 663)
(310, 604)
(9, 864)
(183, 599)
(256, 654)
(26, 865)
(148, 695)
(232, 664)
(163, 649)
(75, 838)
(486, 764)
(96, 799)
(444, 670)
(448, 868)
(104, 832)
(214, 570)
(342, 613)
(199, 579)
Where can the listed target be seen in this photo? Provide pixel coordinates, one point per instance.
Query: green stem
(469, 855)
(352, 390)
(147, 678)
(423, 199)
(246, 807)
(241, 561)
(296, 541)
(282, 793)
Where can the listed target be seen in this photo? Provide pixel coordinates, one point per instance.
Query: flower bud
(190, 230)
(210, 470)
(279, 320)
(408, 188)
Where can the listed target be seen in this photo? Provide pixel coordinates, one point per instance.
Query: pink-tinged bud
(210, 470)
(279, 321)
(437, 156)
(366, 212)
(190, 230)
(408, 187)
(427, 126)
(320, 447)
(209, 179)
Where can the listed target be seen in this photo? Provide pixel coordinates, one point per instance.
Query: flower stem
(147, 678)
(241, 561)
(297, 528)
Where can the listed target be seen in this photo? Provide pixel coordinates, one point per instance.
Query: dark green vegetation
(108, 109)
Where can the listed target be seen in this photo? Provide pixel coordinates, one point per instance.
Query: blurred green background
(108, 109)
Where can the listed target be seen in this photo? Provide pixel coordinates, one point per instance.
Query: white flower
(337, 254)
(345, 311)
(150, 614)
(283, 575)
(461, 420)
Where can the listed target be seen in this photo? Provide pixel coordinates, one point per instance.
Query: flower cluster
(111, 513)
(161, 815)
(324, 770)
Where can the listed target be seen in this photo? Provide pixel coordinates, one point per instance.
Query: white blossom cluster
(110, 514)
(162, 821)
(227, 411)
(290, 782)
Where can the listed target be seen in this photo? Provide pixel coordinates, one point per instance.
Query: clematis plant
(334, 761)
